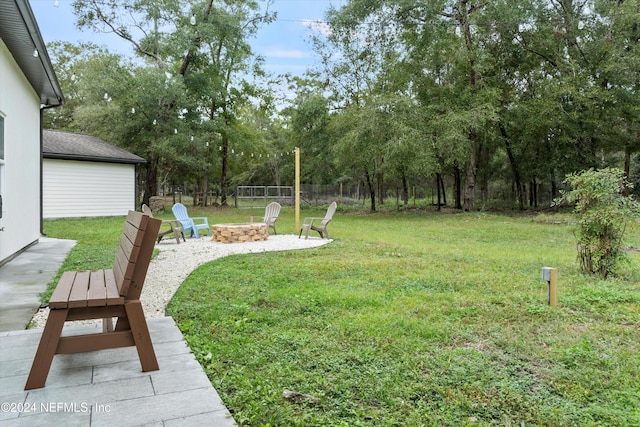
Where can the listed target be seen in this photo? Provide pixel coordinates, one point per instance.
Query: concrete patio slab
(107, 387)
(25, 277)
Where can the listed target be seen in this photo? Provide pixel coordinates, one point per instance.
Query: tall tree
(201, 44)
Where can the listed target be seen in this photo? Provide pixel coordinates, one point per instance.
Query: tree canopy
(489, 97)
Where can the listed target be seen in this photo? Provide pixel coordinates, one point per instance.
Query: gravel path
(176, 261)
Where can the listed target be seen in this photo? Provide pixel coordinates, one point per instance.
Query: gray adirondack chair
(271, 213)
(318, 224)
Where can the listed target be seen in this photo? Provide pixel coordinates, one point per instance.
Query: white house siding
(87, 189)
(20, 107)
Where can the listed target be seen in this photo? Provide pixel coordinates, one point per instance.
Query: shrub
(603, 212)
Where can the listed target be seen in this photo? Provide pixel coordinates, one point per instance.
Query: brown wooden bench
(102, 294)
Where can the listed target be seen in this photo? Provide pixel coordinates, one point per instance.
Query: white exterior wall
(20, 180)
(87, 189)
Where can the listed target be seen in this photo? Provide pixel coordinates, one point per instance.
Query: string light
(193, 19)
(133, 110)
(35, 53)
(56, 3)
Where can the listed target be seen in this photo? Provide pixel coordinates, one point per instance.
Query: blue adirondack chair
(190, 224)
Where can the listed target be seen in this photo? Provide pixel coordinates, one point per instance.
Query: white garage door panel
(87, 189)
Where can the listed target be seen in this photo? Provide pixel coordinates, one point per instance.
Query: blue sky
(283, 43)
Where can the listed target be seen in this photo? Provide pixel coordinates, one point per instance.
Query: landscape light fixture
(550, 275)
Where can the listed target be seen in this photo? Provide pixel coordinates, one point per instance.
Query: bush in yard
(603, 212)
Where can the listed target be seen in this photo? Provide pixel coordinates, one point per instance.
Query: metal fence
(253, 196)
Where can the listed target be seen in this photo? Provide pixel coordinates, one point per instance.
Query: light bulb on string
(155, 122)
(56, 3)
(133, 110)
(175, 131)
(192, 20)
(35, 53)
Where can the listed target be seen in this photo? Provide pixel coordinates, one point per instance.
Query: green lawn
(409, 319)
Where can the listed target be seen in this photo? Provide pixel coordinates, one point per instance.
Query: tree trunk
(627, 167)
(470, 174)
(151, 181)
(372, 190)
(444, 193)
(532, 192)
(514, 166)
(405, 190)
(380, 184)
(439, 192)
(225, 167)
(379, 174)
(457, 182)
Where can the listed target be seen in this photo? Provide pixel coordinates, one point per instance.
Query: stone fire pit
(238, 233)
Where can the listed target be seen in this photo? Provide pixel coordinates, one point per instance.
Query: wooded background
(476, 99)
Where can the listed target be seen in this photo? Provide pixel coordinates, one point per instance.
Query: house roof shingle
(77, 146)
(20, 33)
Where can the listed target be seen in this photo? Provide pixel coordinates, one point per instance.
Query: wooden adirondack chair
(190, 224)
(173, 226)
(271, 213)
(318, 224)
(102, 294)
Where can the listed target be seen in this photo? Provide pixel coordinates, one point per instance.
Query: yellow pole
(297, 189)
(553, 287)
